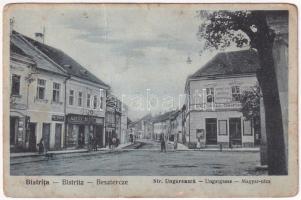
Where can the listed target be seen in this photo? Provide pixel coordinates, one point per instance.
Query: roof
(20, 45)
(17, 50)
(164, 116)
(65, 61)
(229, 63)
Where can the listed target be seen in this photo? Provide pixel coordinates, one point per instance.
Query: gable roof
(17, 43)
(65, 61)
(229, 63)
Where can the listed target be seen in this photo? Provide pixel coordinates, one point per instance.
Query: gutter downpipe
(65, 112)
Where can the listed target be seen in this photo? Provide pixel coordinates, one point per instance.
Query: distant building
(176, 126)
(143, 128)
(213, 101)
(162, 125)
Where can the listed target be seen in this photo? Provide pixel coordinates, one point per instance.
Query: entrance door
(58, 136)
(46, 135)
(235, 131)
(32, 143)
(99, 135)
(81, 136)
(211, 131)
(13, 121)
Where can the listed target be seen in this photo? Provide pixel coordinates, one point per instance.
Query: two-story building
(21, 66)
(176, 126)
(85, 99)
(66, 103)
(45, 91)
(213, 101)
(162, 125)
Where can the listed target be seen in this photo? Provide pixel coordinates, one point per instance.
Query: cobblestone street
(146, 161)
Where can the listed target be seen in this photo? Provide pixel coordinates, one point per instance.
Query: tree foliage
(221, 29)
(250, 101)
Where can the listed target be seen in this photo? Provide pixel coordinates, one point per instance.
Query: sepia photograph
(148, 90)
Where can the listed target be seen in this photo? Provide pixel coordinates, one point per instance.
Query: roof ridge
(40, 52)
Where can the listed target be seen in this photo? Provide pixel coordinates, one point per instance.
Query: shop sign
(81, 119)
(57, 118)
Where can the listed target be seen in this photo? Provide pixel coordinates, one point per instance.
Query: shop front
(81, 127)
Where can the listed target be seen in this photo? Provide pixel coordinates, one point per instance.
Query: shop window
(80, 99)
(15, 90)
(222, 127)
(95, 102)
(41, 89)
(56, 92)
(88, 100)
(210, 95)
(235, 93)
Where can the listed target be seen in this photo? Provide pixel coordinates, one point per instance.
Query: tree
(221, 29)
(250, 101)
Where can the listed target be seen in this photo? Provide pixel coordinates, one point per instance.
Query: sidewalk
(67, 151)
(182, 147)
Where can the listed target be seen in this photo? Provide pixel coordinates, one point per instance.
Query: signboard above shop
(84, 119)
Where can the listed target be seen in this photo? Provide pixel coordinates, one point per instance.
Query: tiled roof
(229, 63)
(18, 43)
(17, 50)
(66, 62)
(164, 116)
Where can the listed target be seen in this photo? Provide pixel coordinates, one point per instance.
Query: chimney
(39, 37)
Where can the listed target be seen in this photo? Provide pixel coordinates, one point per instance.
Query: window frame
(219, 130)
(41, 87)
(251, 126)
(56, 91)
(88, 102)
(13, 93)
(210, 93)
(236, 95)
(71, 97)
(80, 99)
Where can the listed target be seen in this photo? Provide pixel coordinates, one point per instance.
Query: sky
(140, 51)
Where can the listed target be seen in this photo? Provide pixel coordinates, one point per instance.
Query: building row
(212, 110)
(54, 98)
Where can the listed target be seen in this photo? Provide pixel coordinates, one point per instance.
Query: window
(41, 89)
(80, 99)
(101, 99)
(235, 93)
(71, 97)
(247, 126)
(95, 102)
(222, 127)
(15, 90)
(56, 92)
(88, 100)
(210, 95)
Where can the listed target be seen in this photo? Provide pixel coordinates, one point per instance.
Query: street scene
(134, 162)
(171, 92)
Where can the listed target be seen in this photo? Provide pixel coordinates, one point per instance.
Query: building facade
(213, 105)
(45, 98)
(66, 103)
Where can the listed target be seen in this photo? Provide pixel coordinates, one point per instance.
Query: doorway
(32, 143)
(211, 131)
(81, 136)
(58, 136)
(99, 135)
(235, 131)
(46, 135)
(13, 130)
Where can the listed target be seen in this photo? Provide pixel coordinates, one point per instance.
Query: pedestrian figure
(162, 140)
(94, 142)
(175, 144)
(198, 144)
(41, 146)
(114, 142)
(91, 140)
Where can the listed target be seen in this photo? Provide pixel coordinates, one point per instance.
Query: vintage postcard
(150, 100)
